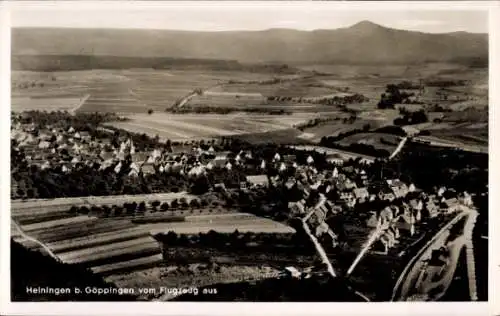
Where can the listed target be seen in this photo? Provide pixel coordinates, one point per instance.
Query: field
(189, 126)
(132, 92)
(377, 140)
(117, 245)
(124, 91)
(226, 223)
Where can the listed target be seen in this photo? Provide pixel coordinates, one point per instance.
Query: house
(289, 159)
(406, 224)
(133, 173)
(219, 163)
(139, 157)
(282, 167)
(335, 173)
(361, 194)
(399, 188)
(416, 204)
(297, 208)
(441, 191)
(292, 272)
(106, 155)
(348, 198)
(412, 188)
(223, 155)
(449, 205)
(335, 159)
(277, 157)
(386, 215)
(386, 194)
(332, 207)
(258, 180)
(196, 170)
(85, 136)
(44, 144)
(135, 167)
(148, 168)
(465, 199)
(430, 209)
(290, 183)
(381, 245)
(321, 229)
(66, 168)
(389, 236)
(60, 139)
(310, 160)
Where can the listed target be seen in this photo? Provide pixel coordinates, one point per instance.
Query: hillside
(364, 42)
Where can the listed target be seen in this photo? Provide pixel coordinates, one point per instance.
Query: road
(410, 275)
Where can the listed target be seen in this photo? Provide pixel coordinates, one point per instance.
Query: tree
(183, 203)
(155, 205)
(73, 210)
(142, 207)
(194, 203)
(106, 211)
(174, 204)
(164, 207)
(171, 238)
(95, 210)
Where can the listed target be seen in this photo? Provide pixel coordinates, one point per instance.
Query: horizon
(240, 30)
(234, 19)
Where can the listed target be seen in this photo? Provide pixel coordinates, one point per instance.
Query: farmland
(189, 126)
(134, 92)
(114, 247)
(123, 91)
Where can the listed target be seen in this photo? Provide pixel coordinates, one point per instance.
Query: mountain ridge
(363, 42)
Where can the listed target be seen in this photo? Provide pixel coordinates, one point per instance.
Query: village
(315, 192)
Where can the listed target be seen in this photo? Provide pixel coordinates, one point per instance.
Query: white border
(133, 308)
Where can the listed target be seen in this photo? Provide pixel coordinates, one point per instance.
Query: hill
(364, 42)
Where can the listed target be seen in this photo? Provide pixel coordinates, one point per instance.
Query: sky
(249, 17)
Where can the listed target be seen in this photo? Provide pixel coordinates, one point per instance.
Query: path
(398, 149)
(82, 102)
(41, 244)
